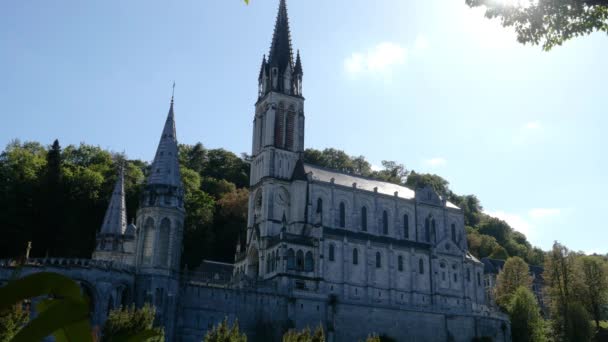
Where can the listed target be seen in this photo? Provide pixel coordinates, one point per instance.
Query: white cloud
(380, 59)
(421, 43)
(435, 162)
(517, 222)
(532, 125)
(542, 213)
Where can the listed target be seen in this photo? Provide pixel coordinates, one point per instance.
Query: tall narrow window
(279, 126)
(385, 223)
(355, 256)
(453, 232)
(332, 252)
(291, 259)
(300, 260)
(400, 263)
(320, 206)
(378, 260)
(290, 128)
(342, 215)
(420, 266)
(364, 219)
(427, 229)
(406, 227)
(148, 240)
(433, 231)
(468, 275)
(309, 264)
(479, 279)
(163, 242)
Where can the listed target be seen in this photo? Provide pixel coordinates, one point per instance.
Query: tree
(223, 332)
(393, 172)
(578, 328)
(595, 286)
(500, 253)
(129, 321)
(53, 230)
(562, 283)
(12, 320)
(527, 324)
(305, 335)
(420, 180)
(514, 274)
(548, 22)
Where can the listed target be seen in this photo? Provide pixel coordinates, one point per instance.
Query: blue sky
(431, 84)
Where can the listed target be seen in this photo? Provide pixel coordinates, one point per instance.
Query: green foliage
(527, 324)
(549, 22)
(305, 335)
(421, 180)
(514, 275)
(500, 253)
(123, 323)
(594, 286)
(12, 319)
(578, 328)
(224, 333)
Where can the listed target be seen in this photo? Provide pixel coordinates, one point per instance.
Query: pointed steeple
(297, 70)
(115, 220)
(262, 68)
(281, 53)
(165, 167)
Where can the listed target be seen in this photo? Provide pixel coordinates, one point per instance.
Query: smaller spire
(115, 220)
(165, 166)
(298, 68)
(262, 68)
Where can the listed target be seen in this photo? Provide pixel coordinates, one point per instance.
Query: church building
(323, 247)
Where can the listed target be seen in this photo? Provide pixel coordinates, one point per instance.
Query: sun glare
(515, 3)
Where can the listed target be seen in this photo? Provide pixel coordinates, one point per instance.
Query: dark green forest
(56, 197)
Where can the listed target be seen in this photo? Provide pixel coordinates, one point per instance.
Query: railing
(72, 262)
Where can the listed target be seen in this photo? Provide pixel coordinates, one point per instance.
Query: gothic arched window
(332, 252)
(279, 126)
(406, 227)
(400, 263)
(427, 229)
(342, 215)
(163, 241)
(300, 260)
(433, 231)
(385, 223)
(309, 263)
(364, 219)
(148, 241)
(453, 232)
(291, 259)
(378, 260)
(479, 279)
(290, 128)
(421, 266)
(320, 206)
(355, 256)
(468, 275)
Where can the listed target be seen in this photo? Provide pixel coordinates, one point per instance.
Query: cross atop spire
(281, 53)
(115, 220)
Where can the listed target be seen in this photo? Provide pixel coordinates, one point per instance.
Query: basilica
(323, 247)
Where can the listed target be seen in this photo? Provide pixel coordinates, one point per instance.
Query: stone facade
(356, 255)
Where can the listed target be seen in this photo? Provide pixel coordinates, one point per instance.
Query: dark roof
(299, 173)
(495, 265)
(281, 53)
(298, 68)
(213, 267)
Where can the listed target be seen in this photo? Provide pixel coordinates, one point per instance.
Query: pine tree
(52, 234)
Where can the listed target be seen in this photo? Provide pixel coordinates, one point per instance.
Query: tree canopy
(548, 22)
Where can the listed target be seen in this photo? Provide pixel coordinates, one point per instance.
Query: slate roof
(115, 219)
(165, 167)
(363, 183)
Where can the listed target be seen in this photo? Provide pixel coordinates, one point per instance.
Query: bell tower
(278, 125)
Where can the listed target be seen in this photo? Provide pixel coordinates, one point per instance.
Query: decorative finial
(173, 92)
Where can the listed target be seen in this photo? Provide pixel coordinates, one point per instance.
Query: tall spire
(281, 53)
(165, 167)
(115, 220)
